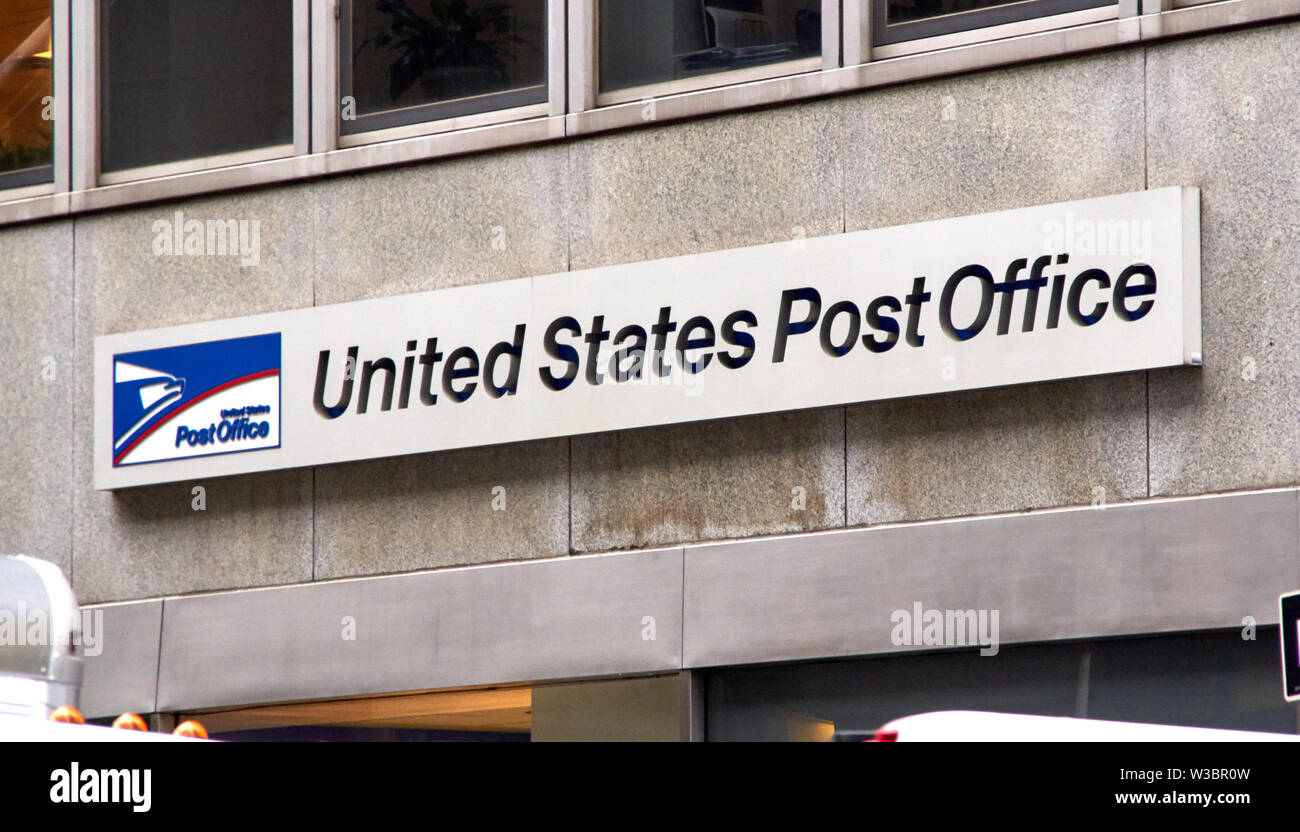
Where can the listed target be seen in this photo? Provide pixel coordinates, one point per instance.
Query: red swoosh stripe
(178, 411)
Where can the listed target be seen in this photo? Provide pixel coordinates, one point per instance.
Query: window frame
(994, 23)
(329, 67)
(86, 84)
(996, 31)
(585, 64)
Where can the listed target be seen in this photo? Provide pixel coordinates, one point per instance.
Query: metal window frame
(855, 20)
(859, 26)
(584, 65)
(981, 34)
(87, 170)
(329, 72)
(1006, 13)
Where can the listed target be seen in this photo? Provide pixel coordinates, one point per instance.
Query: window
(425, 60)
(1207, 679)
(182, 80)
(26, 93)
(896, 21)
(645, 43)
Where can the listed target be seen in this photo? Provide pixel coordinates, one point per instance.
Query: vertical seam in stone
(681, 620)
(570, 442)
(565, 200)
(157, 674)
(846, 466)
(1146, 124)
(313, 523)
(1148, 380)
(72, 446)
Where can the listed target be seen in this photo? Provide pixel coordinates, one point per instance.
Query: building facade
(1122, 539)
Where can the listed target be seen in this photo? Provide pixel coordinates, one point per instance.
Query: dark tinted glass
(901, 11)
(648, 43)
(1207, 680)
(183, 79)
(896, 21)
(26, 87)
(422, 60)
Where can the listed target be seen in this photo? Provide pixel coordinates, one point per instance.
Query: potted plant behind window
(456, 50)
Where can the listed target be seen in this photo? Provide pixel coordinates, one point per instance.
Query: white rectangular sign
(1104, 285)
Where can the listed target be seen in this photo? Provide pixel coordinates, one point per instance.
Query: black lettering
(1036, 282)
(686, 342)
(738, 339)
(986, 302)
(1058, 292)
(1076, 292)
(1123, 291)
(1008, 289)
(561, 352)
(431, 356)
(636, 352)
(785, 327)
(345, 396)
(450, 373)
(660, 331)
(367, 373)
(597, 336)
(914, 301)
(882, 323)
(408, 364)
(855, 326)
(514, 349)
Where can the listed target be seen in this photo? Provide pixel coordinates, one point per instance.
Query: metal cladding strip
(595, 615)
(122, 658)
(1135, 568)
(1148, 567)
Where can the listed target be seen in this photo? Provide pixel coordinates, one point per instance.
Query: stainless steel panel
(325, 104)
(301, 77)
(124, 676)
(556, 58)
(1149, 567)
(563, 618)
(581, 55)
(857, 32)
(85, 94)
(62, 95)
(831, 34)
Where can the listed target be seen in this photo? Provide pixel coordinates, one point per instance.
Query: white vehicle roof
(982, 726)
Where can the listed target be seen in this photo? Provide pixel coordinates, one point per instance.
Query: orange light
(68, 714)
(130, 722)
(190, 728)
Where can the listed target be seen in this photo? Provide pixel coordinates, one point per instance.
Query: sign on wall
(1097, 286)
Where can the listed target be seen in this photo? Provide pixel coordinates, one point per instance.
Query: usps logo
(194, 400)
